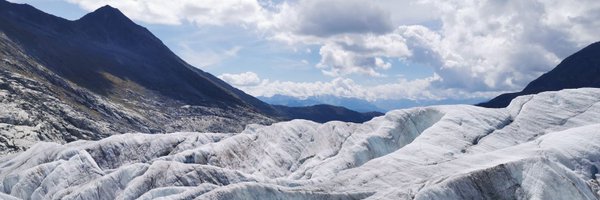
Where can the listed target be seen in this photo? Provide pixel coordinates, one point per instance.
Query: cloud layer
(173, 12)
(418, 89)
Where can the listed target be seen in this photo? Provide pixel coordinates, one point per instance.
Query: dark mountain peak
(107, 8)
(106, 14)
(109, 25)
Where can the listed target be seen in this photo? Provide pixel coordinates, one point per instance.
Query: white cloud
(481, 45)
(382, 64)
(206, 12)
(336, 61)
(419, 89)
(361, 54)
(502, 45)
(233, 51)
(242, 79)
(332, 17)
(206, 58)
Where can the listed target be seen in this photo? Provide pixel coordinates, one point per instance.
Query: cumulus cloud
(336, 61)
(206, 12)
(242, 79)
(327, 18)
(354, 35)
(205, 59)
(419, 89)
(502, 45)
(480, 45)
(382, 64)
(361, 54)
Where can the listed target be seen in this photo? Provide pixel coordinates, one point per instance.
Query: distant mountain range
(323, 113)
(581, 69)
(360, 104)
(102, 74)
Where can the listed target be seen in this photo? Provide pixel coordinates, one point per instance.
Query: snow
(544, 146)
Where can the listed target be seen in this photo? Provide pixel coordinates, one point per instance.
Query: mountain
(102, 75)
(581, 69)
(350, 103)
(108, 54)
(379, 105)
(543, 146)
(324, 113)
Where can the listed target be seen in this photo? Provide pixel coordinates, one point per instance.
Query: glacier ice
(544, 146)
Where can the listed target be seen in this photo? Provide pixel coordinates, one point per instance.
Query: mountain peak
(108, 8)
(109, 25)
(104, 14)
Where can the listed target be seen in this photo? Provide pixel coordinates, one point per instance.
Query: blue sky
(367, 49)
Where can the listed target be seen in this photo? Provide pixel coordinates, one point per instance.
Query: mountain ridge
(360, 105)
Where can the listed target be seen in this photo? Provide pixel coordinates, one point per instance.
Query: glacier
(544, 146)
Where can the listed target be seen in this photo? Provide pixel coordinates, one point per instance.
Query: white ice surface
(544, 146)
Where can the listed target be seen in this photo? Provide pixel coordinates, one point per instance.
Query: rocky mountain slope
(39, 105)
(108, 54)
(543, 146)
(581, 69)
(103, 74)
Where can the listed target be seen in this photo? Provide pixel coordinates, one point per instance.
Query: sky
(366, 49)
